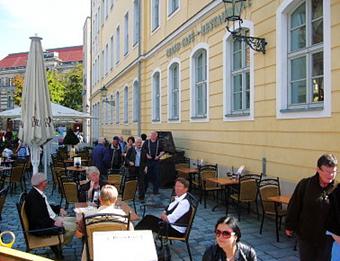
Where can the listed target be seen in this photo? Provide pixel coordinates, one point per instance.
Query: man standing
(308, 210)
(42, 215)
(154, 151)
(135, 161)
(100, 158)
(116, 155)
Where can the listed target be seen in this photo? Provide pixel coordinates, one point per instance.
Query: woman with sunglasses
(228, 246)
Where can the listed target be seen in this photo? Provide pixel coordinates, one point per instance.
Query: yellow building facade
(182, 71)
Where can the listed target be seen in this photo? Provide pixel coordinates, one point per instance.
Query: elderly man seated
(41, 214)
(91, 189)
(178, 211)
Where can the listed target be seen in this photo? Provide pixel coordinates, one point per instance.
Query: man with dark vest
(178, 212)
(154, 151)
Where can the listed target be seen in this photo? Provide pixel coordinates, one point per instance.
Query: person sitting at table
(90, 190)
(228, 245)
(178, 211)
(42, 214)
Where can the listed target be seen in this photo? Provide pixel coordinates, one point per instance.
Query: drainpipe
(139, 67)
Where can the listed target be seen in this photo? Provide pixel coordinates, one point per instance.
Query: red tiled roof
(66, 54)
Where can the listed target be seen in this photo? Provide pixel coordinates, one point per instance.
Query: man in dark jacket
(101, 158)
(135, 161)
(116, 155)
(42, 215)
(308, 210)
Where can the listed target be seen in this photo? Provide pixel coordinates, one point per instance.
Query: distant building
(60, 59)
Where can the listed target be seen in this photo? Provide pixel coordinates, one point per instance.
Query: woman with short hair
(228, 246)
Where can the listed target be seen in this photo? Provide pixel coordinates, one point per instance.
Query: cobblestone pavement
(201, 235)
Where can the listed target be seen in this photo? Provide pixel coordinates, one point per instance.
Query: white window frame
(154, 29)
(193, 116)
(136, 25)
(117, 44)
(136, 98)
(126, 105)
(170, 102)
(126, 34)
(112, 56)
(111, 103)
(282, 31)
(153, 109)
(171, 13)
(227, 79)
(117, 107)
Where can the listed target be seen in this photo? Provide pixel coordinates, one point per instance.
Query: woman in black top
(228, 246)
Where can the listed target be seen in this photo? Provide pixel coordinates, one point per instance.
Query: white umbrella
(59, 112)
(36, 114)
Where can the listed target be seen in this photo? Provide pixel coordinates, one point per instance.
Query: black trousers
(153, 223)
(311, 252)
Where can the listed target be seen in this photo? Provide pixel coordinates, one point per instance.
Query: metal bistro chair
(102, 222)
(16, 177)
(246, 192)
(185, 238)
(268, 188)
(70, 190)
(207, 171)
(129, 192)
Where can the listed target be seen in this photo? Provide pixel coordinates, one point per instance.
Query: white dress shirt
(182, 208)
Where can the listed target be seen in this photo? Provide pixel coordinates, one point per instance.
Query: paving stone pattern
(201, 235)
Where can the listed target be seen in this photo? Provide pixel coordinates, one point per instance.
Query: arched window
(156, 96)
(117, 108)
(126, 104)
(136, 100)
(174, 91)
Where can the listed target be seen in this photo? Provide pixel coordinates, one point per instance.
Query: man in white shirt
(178, 212)
(42, 215)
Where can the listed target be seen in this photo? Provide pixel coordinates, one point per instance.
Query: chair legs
(188, 247)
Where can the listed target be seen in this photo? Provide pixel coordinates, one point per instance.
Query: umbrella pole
(35, 157)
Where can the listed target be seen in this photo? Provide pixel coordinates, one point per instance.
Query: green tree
(73, 82)
(55, 86)
(18, 82)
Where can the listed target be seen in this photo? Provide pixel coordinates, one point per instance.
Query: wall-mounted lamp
(103, 91)
(256, 43)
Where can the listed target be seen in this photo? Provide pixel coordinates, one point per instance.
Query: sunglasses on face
(225, 234)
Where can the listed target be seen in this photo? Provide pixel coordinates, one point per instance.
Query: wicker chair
(3, 195)
(207, 171)
(246, 192)
(129, 192)
(269, 188)
(17, 176)
(102, 222)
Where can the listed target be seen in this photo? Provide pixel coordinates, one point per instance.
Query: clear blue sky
(59, 22)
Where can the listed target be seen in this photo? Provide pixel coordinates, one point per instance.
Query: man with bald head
(154, 151)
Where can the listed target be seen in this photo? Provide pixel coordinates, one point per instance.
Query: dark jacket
(308, 210)
(131, 156)
(101, 158)
(37, 213)
(243, 253)
(83, 189)
(333, 221)
(116, 157)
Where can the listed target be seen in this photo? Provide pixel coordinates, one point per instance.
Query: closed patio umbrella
(36, 115)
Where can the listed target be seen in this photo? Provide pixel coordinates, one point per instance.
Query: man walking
(308, 210)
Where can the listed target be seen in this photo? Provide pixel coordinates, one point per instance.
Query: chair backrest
(268, 188)
(17, 173)
(129, 190)
(3, 194)
(248, 186)
(115, 180)
(103, 222)
(23, 217)
(208, 171)
(70, 189)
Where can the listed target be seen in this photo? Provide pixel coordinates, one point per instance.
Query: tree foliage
(73, 82)
(55, 86)
(18, 82)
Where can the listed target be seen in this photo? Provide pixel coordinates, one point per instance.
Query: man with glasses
(308, 210)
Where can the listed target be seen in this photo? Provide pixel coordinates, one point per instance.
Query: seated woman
(228, 245)
(90, 190)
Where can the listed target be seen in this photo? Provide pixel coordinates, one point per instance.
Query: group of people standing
(140, 157)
